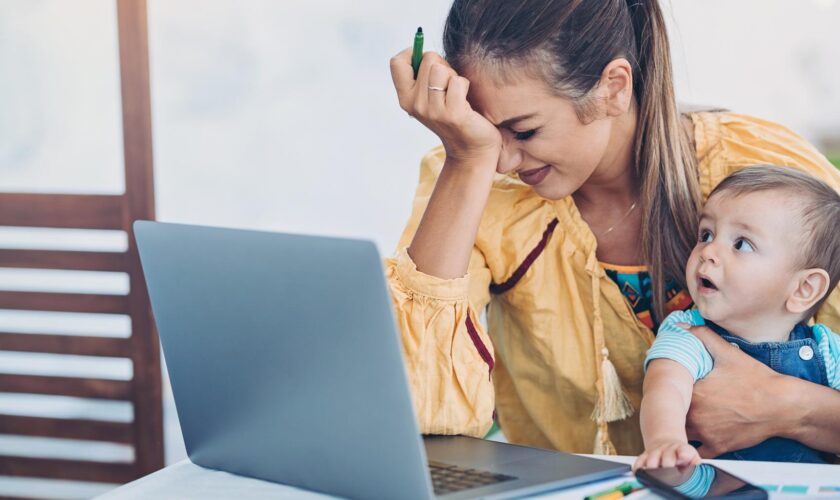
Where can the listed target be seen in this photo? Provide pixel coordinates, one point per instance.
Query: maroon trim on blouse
(479, 345)
(523, 268)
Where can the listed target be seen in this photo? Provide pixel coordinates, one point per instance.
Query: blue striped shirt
(675, 343)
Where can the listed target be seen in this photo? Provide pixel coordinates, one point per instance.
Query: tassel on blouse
(614, 405)
(603, 445)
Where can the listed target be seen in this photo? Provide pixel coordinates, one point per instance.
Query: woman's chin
(551, 189)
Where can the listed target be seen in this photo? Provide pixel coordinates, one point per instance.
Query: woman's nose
(509, 159)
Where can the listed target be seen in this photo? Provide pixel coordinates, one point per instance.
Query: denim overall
(798, 357)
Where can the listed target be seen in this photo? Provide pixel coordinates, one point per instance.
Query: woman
(565, 197)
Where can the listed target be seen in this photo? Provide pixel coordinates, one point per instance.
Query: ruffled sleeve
(449, 357)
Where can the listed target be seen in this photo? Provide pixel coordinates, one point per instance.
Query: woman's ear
(617, 86)
(811, 285)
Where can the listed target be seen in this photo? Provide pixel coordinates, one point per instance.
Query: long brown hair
(571, 42)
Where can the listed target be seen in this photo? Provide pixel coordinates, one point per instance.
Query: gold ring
(437, 89)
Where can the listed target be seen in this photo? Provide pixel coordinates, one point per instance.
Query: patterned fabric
(635, 284)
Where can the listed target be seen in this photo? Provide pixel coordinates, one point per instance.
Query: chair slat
(79, 470)
(67, 428)
(65, 344)
(64, 302)
(61, 210)
(66, 386)
(65, 260)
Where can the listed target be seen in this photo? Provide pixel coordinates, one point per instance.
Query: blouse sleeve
(448, 355)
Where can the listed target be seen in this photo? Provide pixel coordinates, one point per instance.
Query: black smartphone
(698, 481)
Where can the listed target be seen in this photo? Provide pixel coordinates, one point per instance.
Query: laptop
(286, 365)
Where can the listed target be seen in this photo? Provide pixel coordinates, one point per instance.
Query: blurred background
(281, 116)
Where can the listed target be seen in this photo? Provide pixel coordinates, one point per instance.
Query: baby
(767, 256)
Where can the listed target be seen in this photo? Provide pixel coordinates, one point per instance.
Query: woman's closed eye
(742, 245)
(524, 136)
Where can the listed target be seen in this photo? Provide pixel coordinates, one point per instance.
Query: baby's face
(744, 262)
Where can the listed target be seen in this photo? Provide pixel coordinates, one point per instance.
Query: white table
(185, 480)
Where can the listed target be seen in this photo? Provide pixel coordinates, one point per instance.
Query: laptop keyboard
(451, 478)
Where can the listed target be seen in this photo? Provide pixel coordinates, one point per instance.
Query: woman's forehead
(501, 100)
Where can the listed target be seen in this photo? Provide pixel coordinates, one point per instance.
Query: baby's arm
(673, 364)
(667, 396)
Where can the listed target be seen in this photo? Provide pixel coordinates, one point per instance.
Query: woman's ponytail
(666, 162)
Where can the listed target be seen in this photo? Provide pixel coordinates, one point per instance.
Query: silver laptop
(286, 365)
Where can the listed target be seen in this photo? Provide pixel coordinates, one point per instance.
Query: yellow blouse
(553, 315)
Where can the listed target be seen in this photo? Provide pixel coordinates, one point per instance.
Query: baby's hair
(819, 213)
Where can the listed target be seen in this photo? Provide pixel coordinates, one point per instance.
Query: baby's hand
(667, 454)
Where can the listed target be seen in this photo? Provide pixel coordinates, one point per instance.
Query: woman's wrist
(445, 237)
(480, 161)
(788, 412)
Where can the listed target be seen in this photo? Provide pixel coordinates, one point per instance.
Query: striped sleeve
(700, 482)
(677, 344)
(829, 346)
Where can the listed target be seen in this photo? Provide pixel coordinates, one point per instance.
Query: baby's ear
(810, 286)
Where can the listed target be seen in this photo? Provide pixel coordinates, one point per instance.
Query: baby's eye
(743, 245)
(705, 236)
(524, 136)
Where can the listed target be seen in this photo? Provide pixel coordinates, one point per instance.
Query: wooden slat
(79, 470)
(66, 428)
(66, 386)
(65, 344)
(69, 260)
(140, 204)
(78, 211)
(64, 302)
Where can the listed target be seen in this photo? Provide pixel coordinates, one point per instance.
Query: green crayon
(624, 488)
(417, 53)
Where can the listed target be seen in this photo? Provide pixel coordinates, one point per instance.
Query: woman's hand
(731, 409)
(466, 135)
(667, 454)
